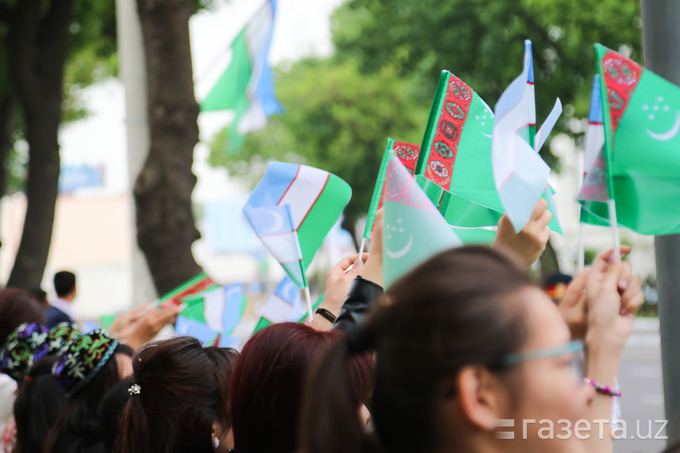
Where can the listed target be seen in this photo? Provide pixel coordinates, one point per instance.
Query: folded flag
(197, 284)
(520, 174)
(641, 113)
(285, 305)
(212, 316)
(413, 229)
(292, 209)
(594, 192)
(408, 155)
(247, 85)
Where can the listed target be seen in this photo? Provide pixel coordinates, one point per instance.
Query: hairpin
(135, 389)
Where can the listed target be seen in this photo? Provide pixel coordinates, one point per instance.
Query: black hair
(78, 426)
(458, 308)
(18, 306)
(37, 406)
(64, 282)
(112, 410)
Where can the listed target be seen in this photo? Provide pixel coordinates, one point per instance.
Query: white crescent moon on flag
(487, 135)
(229, 292)
(291, 291)
(278, 222)
(400, 253)
(670, 133)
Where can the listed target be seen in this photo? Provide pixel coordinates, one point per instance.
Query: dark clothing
(360, 299)
(55, 316)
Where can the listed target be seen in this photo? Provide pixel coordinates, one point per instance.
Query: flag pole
(581, 246)
(308, 297)
(615, 226)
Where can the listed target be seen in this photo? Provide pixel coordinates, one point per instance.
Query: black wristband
(326, 314)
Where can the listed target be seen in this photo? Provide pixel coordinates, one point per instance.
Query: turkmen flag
(292, 209)
(456, 149)
(285, 305)
(413, 229)
(408, 155)
(247, 85)
(212, 316)
(195, 285)
(594, 193)
(641, 125)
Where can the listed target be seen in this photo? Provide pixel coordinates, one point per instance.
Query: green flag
(641, 125)
(413, 229)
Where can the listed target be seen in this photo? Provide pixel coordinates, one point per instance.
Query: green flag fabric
(413, 229)
(641, 125)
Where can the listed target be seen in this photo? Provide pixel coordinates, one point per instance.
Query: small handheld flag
(413, 229)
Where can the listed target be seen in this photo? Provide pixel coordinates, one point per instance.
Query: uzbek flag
(212, 316)
(408, 155)
(247, 85)
(641, 113)
(520, 175)
(292, 209)
(413, 229)
(195, 285)
(594, 193)
(285, 305)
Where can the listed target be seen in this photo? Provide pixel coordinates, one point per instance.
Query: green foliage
(481, 42)
(336, 119)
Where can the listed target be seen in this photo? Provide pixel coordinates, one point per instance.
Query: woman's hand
(530, 242)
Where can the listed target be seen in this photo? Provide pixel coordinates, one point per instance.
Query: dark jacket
(360, 299)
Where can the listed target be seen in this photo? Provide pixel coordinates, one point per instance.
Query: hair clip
(135, 389)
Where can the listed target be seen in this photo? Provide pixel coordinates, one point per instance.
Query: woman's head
(441, 338)
(16, 355)
(267, 385)
(92, 364)
(175, 399)
(18, 306)
(223, 360)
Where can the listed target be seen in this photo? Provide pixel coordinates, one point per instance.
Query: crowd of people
(462, 342)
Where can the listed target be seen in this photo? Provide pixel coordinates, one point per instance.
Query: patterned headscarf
(83, 359)
(16, 356)
(57, 340)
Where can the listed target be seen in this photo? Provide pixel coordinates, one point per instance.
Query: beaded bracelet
(604, 389)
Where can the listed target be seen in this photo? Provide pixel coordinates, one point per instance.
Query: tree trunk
(7, 124)
(165, 222)
(37, 54)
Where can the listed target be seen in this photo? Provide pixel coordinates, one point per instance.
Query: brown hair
(178, 401)
(456, 309)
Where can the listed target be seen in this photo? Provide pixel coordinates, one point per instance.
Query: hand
(338, 282)
(148, 326)
(613, 297)
(123, 321)
(373, 269)
(530, 242)
(574, 307)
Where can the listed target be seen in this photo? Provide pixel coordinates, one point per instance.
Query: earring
(215, 442)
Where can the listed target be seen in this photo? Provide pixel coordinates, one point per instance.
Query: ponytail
(335, 391)
(133, 428)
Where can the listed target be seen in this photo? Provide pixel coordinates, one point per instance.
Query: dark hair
(39, 294)
(111, 411)
(37, 406)
(223, 360)
(18, 306)
(456, 309)
(267, 386)
(64, 282)
(178, 401)
(77, 427)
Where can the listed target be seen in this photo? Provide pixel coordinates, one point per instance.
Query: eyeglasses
(576, 364)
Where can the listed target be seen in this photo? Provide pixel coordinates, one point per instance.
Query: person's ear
(482, 397)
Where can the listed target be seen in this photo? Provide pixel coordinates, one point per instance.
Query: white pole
(310, 315)
(615, 227)
(581, 248)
